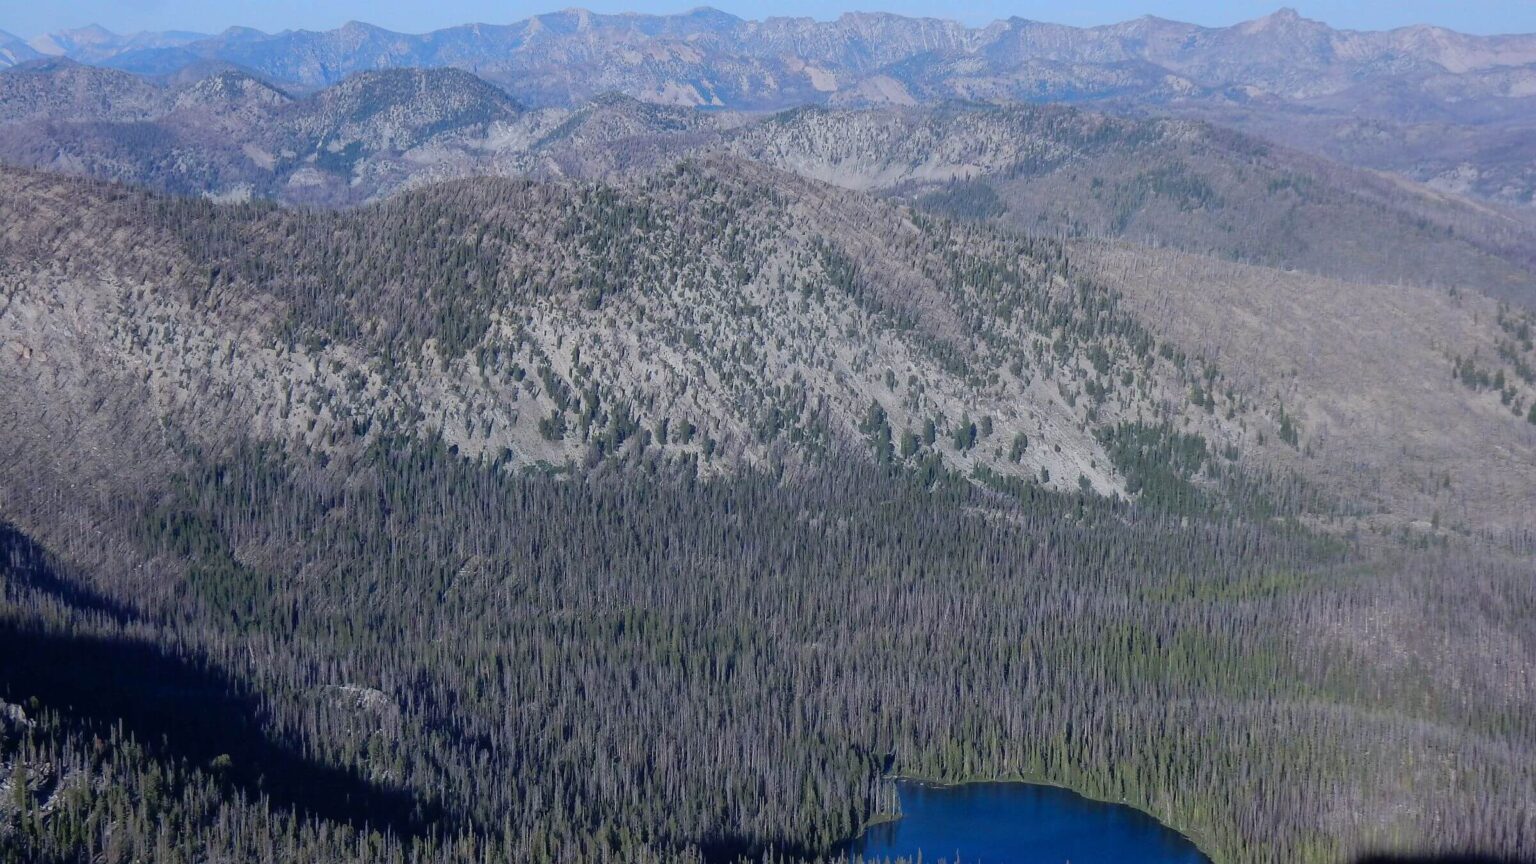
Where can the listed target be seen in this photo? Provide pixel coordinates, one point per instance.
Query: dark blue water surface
(1020, 823)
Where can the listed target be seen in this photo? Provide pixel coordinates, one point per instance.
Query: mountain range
(1057, 170)
(1438, 106)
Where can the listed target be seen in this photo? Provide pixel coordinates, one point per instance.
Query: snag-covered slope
(721, 312)
(733, 315)
(1421, 402)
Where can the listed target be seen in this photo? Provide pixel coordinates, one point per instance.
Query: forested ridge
(1055, 170)
(780, 514)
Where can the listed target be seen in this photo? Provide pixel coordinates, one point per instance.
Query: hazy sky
(31, 17)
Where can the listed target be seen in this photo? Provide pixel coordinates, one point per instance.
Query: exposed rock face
(13, 717)
(367, 701)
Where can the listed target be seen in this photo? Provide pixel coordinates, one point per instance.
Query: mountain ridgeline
(1441, 107)
(410, 458)
(1046, 170)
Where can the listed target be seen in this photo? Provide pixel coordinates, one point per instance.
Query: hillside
(62, 90)
(775, 318)
(233, 135)
(1402, 394)
(1187, 185)
(768, 317)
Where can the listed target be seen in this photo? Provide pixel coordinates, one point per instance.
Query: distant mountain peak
(93, 31)
(1284, 18)
(355, 26)
(47, 63)
(710, 13)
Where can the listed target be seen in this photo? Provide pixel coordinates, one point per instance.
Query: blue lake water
(1020, 823)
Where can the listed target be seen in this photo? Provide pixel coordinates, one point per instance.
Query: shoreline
(887, 818)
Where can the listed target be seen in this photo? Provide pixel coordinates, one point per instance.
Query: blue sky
(30, 17)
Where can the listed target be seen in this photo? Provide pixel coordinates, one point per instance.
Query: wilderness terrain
(417, 452)
(1048, 170)
(1440, 107)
